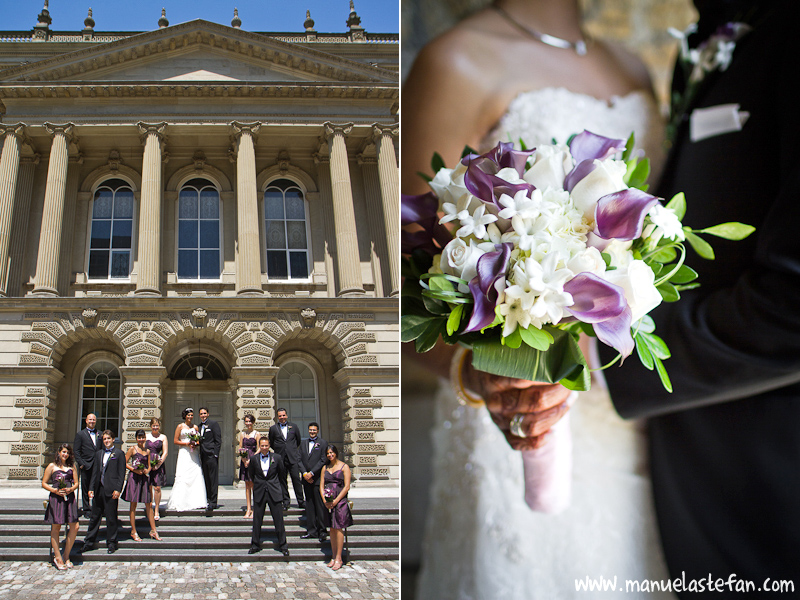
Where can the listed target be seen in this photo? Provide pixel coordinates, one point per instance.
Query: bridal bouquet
(139, 462)
(515, 253)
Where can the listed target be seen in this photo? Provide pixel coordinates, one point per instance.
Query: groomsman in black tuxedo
(210, 444)
(105, 489)
(284, 437)
(266, 470)
(87, 442)
(312, 459)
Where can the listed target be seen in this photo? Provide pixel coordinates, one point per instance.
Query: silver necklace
(579, 47)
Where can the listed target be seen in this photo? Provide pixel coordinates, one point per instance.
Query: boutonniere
(316, 446)
(288, 427)
(716, 53)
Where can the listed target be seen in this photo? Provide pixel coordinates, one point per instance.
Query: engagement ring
(516, 425)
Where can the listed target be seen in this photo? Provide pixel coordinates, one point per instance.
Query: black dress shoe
(305, 536)
(254, 549)
(88, 547)
(323, 538)
(302, 505)
(112, 548)
(216, 506)
(285, 552)
(286, 506)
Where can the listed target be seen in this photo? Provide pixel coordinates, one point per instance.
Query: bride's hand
(542, 404)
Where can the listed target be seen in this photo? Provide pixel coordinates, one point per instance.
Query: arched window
(297, 393)
(199, 231)
(286, 231)
(112, 230)
(101, 394)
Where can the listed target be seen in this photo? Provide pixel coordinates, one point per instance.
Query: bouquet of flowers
(243, 453)
(193, 436)
(139, 462)
(544, 245)
(154, 462)
(61, 484)
(329, 493)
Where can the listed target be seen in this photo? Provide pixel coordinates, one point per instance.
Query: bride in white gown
(189, 489)
(486, 81)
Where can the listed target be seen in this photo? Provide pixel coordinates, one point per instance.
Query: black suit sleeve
(316, 468)
(271, 435)
(98, 460)
(738, 335)
(77, 449)
(217, 437)
(118, 480)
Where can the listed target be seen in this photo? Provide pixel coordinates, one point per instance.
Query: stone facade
(297, 308)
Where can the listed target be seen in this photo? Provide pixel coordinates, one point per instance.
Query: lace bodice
(539, 116)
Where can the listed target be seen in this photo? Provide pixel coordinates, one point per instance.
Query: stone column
(322, 162)
(248, 263)
(19, 223)
(390, 194)
(148, 282)
(347, 257)
(368, 162)
(53, 215)
(143, 397)
(9, 172)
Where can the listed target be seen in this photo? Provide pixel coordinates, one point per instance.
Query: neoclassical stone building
(198, 215)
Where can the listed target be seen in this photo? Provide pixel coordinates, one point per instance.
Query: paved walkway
(199, 581)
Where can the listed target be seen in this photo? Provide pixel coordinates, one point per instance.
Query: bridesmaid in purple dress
(248, 440)
(333, 487)
(61, 480)
(157, 444)
(137, 487)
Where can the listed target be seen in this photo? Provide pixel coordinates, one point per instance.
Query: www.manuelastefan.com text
(681, 584)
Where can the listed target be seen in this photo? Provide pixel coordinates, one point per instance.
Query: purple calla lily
(481, 177)
(589, 146)
(413, 209)
(491, 267)
(621, 215)
(602, 304)
(579, 171)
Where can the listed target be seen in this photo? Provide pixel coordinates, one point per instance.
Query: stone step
(42, 529)
(214, 523)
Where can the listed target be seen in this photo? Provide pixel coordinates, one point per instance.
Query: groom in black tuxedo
(87, 442)
(312, 459)
(266, 470)
(105, 489)
(284, 437)
(210, 443)
(724, 446)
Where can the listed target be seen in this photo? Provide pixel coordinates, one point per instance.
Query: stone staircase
(198, 536)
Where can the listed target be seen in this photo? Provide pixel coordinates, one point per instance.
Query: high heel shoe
(69, 564)
(331, 563)
(157, 517)
(135, 537)
(337, 565)
(59, 564)
(154, 535)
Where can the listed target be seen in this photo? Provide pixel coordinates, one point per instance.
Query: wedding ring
(516, 425)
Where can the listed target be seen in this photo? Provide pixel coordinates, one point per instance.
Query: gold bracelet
(457, 380)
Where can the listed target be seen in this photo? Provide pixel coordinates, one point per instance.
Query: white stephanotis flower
(606, 178)
(448, 185)
(550, 166)
(664, 223)
(520, 204)
(475, 223)
(457, 210)
(638, 283)
(460, 258)
(510, 175)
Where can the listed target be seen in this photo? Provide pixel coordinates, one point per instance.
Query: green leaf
(539, 339)
(454, 320)
(730, 231)
(628, 148)
(561, 363)
(514, 340)
(440, 283)
(640, 174)
(702, 247)
(668, 292)
(430, 335)
(644, 353)
(662, 373)
(665, 255)
(656, 346)
(678, 205)
(467, 150)
(437, 162)
(433, 305)
(425, 176)
(684, 275)
(645, 324)
(688, 286)
(413, 326)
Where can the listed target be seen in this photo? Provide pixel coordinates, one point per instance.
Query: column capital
(379, 129)
(145, 129)
(239, 128)
(33, 159)
(332, 129)
(67, 129)
(15, 129)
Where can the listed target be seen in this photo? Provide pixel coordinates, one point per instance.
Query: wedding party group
(105, 474)
(540, 264)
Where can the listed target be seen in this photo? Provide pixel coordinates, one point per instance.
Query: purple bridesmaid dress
(339, 517)
(61, 510)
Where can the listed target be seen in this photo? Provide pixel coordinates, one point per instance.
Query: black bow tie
(107, 450)
(312, 439)
(92, 430)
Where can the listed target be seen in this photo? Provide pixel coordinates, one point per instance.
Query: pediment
(198, 51)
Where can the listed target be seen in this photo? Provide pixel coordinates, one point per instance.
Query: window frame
(221, 249)
(263, 226)
(134, 232)
(81, 419)
(284, 402)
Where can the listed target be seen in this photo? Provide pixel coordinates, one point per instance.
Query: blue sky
(377, 16)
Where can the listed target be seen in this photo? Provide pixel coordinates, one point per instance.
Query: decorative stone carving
(89, 317)
(199, 315)
(309, 316)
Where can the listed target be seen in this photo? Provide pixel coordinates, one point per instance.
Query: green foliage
(702, 247)
(536, 338)
(637, 177)
(454, 320)
(652, 351)
(437, 163)
(626, 155)
(668, 292)
(729, 231)
(678, 205)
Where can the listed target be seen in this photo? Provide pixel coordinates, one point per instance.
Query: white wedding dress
(189, 489)
(482, 542)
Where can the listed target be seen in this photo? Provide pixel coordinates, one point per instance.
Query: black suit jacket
(314, 461)
(211, 440)
(725, 447)
(115, 472)
(85, 449)
(290, 447)
(269, 485)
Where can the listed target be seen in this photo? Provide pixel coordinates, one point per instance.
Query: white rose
(588, 261)
(448, 185)
(620, 253)
(638, 283)
(550, 166)
(607, 178)
(461, 259)
(510, 175)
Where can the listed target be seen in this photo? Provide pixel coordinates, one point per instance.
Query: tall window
(112, 227)
(297, 393)
(287, 242)
(101, 394)
(198, 231)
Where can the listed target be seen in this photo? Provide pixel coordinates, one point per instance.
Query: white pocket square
(716, 120)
